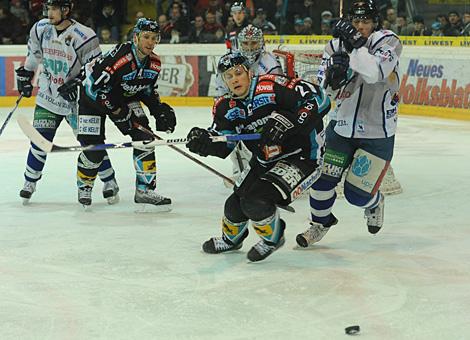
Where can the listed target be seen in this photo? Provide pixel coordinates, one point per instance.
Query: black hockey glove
(349, 35)
(123, 120)
(199, 141)
(165, 119)
(69, 90)
(336, 74)
(276, 129)
(24, 80)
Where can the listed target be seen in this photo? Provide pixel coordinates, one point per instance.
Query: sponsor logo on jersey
(80, 33)
(306, 184)
(253, 126)
(361, 166)
(154, 65)
(132, 89)
(264, 88)
(122, 61)
(281, 80)
(232, 103)
(235, 113)
(262, 100)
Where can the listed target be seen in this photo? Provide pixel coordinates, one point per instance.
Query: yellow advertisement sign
(406, 40)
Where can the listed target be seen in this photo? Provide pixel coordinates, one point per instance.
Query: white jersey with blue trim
(61, 57)
(366, 107)
(267, 63)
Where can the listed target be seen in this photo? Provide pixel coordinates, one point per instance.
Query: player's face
(54, 14)
(364, 26)
(238, 17)
(148, 41)
(238, 80)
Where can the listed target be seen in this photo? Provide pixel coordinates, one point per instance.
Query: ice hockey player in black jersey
(112, 87)
(286, 160)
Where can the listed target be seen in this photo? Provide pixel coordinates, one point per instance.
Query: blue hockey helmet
(146, 25)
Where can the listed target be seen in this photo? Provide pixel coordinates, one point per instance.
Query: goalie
(360, 71)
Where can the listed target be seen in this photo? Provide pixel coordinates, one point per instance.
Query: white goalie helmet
(251, 43)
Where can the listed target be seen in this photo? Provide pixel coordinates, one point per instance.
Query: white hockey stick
(48, 146)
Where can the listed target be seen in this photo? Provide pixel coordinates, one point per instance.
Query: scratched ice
(110, 273)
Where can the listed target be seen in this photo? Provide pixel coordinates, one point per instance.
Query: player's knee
(355, 198)
(257, 208)
(232, 209)
(90, 140)
(323, 184)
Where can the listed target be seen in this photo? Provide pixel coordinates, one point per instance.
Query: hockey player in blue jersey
(360, 71)
(62, 45)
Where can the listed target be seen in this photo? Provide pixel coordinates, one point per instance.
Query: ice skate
(375, 216)
(28, 189)
(217, 245)
(150, 201)
(314, 233)
(110, 191)
(262, 249)
(84, 196)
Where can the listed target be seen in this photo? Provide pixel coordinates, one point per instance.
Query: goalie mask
(251, 43)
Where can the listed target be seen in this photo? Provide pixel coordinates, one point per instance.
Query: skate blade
(25, 201)
(144, 208)
(113, 199)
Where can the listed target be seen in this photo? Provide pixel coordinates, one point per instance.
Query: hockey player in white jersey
(251, 46)
(62, 45)
(360, 71)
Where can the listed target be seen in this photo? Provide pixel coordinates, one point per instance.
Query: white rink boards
(109, 273)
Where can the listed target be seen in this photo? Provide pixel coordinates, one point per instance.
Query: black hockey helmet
(59, 3)
(364, 9)
(231, 59)
(146, 25)
(237, 6)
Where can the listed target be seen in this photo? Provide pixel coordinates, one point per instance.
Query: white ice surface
(109, 273)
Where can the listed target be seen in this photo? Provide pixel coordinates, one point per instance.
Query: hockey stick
(10, 114)
(197, 161)
(48, 146)
(185, 154)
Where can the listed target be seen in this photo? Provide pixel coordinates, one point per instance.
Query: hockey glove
(336, 74)
(350, 36)
(122, 120)
(165, 119)
(199, 141)
(69, 90)
(276, 129)
(24, 81)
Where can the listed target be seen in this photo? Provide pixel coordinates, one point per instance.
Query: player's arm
(25, 74)
(376, 66)
(199, 139)
(165, 118)
(301, 108)
(88, 50)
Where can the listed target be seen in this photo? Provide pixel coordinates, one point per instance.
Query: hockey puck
(351, 330)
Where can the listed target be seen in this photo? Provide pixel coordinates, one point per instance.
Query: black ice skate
(28, 189)
(110, 191)
(150, 197)
(263, 249)
(217, 245)
(84, 195)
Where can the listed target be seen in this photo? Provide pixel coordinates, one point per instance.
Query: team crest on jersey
(68, 40)
(235, 113)
(47, 33)
(232, 103)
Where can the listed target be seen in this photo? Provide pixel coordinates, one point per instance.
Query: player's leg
(46, 123)
(146, 169)
(338, 156)
(280, 185)
(105, 171)
(234, 229)
(361, 186)
(91, 130)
